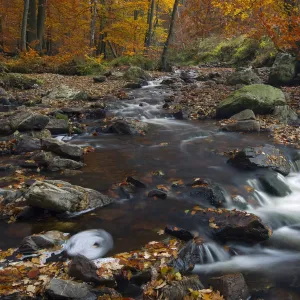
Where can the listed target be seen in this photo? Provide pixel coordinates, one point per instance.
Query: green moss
(136, 61)
(60, 116)
(18, 81)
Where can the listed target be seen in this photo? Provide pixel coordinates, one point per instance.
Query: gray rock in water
(283, 70)
(273, 185)
(59, 196)
(232, 286)
(285, 114)
(260, 98)
(56, 126)
(136, 73)
(55, 163)
(244, 115)
(242, 126)
(62, 148)
(267, 156)
(59, 289)
(35, 242)
(27, 144)
(244, 76)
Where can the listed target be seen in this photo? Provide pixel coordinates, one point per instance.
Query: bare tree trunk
(24, 25)
(1, 36)
(41, 23)
(32, 22)
(113, 51)
(93, 23)
(150, 24)
(167, 43)
(102, 44)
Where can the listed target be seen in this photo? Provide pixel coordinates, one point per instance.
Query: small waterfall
(211, 253)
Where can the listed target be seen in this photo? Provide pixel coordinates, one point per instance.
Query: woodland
(149, 149)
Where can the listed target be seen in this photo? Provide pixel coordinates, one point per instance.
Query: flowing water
(182, 150)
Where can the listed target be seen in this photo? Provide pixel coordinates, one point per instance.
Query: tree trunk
(167, 43)
(102, 44)
(150, 24)
(24, 25)
(113, 51)
(93, 23)
(32, 22)
(1, 36)
(41, 23)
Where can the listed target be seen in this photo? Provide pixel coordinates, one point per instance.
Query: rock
(72, 111)
(283, 70)
(242, 126)
(231, 225)
(59, 289)
(273, 185)
(56, 126)
(177, 290)
(60, 197)
(136, 73)
(55, 163)
(208, 191)
(38, 134)
(232, 286)
(127, 190)
(169, 81)
(27, 144)
(9, 196)
(243, 76)
(18, 81)
(98, 113)
(267, 156)
(82, 268)
(158, 193)
(35, 242)
(260, 98)
(99, 79)
(60, 116)
(135, 182)
(240, 202)
(108, 73)
(100, 104)
(285, 114)
(187, 257)
(126, 126)
(244, 115)
(179, 233)
(133, 85)
(64, 92)
(4, 97)
(62, 148)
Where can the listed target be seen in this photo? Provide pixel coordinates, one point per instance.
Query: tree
(164, 55)
(32, 22)
(24, 25)
(41, 23)
(150, 24)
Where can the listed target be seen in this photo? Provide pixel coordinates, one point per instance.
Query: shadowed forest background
(80, 37)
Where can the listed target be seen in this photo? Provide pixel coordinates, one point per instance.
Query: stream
(179, 150)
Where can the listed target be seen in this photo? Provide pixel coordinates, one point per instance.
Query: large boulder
(59, 289)
(231, 225)
(62, 148)
(267, 156)
(18, 81)
(58, 126)
(126, 126)
(22, 121)
(51, 162)
(260, 98)
(283, 70)
(59, 196)
(243, 76)
(285, 114)
(64, 92)
(136, 73)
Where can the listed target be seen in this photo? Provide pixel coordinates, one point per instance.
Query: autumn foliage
(110, 28)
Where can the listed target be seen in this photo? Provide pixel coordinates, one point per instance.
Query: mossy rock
(136, 73)
(60, 116)
(260, 98)
(18, 81)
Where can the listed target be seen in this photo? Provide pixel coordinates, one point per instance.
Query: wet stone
(157, 193)
(232, 286)
(135, 182)
(179, 233)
